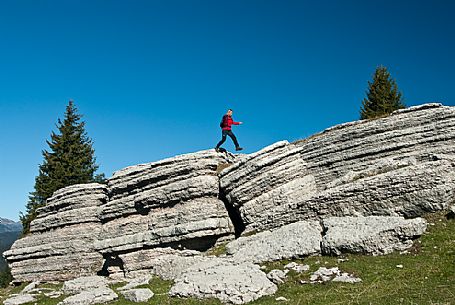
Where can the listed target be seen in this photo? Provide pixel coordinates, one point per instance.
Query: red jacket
(228, 122)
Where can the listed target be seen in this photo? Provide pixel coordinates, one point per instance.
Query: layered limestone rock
(375, 235)
(60, 245)
(266, 180)
(173, 202)
(401, 165)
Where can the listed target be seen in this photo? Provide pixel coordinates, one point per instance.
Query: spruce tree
(383, 96)
(70, 160)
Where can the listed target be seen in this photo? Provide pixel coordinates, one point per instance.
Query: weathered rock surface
(92, 296)
(88, 290)
(19, 299)
(166, 263)
(290, 241)
(401, 165)
(218, 278)
(169, 202)
(277, 276)
(60, 246)
(334, 274)
(373, 235)
(138, 295)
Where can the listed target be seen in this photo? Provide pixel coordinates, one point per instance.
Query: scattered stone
(19, 299)
(400, 266)
(277, 276)
(92, 296)
(291, 241)
(297, 267)
(133, 283)
(84, 284)
(281, 299)
(53, 294)
(332, 274)
(346, 278)
(29, 287)
(138, 295)
(222, 279)
(375, 235)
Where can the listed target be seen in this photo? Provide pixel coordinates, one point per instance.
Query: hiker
(226, 123)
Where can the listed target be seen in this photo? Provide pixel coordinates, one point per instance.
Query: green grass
(427, 277)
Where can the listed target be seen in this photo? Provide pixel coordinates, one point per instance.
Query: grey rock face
(169, 202)
(290, 241)
(217, 278)
(259, 183)
(374, 235)
(60, 245)
(401, 165)
(138, 295)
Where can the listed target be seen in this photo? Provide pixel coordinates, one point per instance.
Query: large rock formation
(299, 199)
(60, 245)
(401, 165)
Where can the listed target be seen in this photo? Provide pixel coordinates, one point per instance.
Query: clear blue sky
(153, 78)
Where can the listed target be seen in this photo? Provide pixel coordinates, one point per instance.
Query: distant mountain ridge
(9, 233)
(7, 225)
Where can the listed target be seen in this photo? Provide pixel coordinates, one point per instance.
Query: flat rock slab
(85, 283)
(133, 283)
(19, 299)
(290, 241)
(92, 296)
(375, 235)
(138, 295)
(224, 280)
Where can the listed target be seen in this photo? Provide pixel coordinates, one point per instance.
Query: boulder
(92, 296)
(19, 299)
(171, 202)
(370, 235)
(290, 241)
(138, 295)
(224, 280)
(61, 243)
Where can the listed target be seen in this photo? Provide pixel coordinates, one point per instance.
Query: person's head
(229, 112)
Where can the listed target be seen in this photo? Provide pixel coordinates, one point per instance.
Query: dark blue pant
(228, 133)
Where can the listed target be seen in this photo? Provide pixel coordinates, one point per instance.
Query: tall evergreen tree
(70, 160)
(383, 96)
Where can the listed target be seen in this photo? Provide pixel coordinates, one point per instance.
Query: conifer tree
(70, 160)
(383, 96)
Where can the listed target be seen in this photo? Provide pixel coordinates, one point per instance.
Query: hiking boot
(238, 148)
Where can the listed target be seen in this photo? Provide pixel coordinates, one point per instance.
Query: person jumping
(226, 123)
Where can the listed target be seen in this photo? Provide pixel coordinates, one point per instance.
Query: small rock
(400, 266)
(138, 295)
(346, 278)
(281, 299)
(29, 287)
(277, 276)
(297, 268)
(19, 299)
(136, 282)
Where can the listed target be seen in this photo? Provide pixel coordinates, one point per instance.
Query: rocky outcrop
(61, 244)
(88, 229)
(375, 235)
(170, 202)
(401, 165)
(356, 187)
